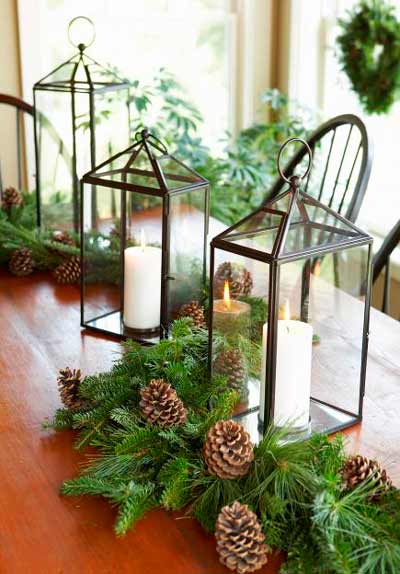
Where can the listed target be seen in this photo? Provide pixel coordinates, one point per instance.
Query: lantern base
(113, 324)
(323, 419)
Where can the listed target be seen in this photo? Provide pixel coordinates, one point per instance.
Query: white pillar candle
(142, 287)
(293, 373)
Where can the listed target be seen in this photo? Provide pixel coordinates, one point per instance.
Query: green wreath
(369, 52)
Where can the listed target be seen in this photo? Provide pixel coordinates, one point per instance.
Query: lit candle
(231, 317)
(293, 371)
(142, 286)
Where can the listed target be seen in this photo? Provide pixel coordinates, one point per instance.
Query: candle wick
(287, 328)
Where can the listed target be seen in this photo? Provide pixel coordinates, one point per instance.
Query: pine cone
(68, 385)
(69, 271)
(21, 262)
(230, 363)
(228, 451)
(11, 197)
(240, 539)
(195, 311)
(358, 468)
(239, 279)
(161, 406)
(63, 237)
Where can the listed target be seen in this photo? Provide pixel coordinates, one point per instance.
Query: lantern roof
(290, 226)
(81, 74)
(145, 167)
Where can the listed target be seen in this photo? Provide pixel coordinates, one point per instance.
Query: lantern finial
(81, 32)
(294, 180)
(145, 133)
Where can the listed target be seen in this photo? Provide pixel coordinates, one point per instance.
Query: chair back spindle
(382, 263)
(341, 167)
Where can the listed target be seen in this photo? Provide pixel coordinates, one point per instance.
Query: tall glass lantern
(144, 255)
(289, 314)
(81, 118)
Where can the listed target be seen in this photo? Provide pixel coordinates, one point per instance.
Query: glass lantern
(144, 255)
(289, 314)
(81, 118)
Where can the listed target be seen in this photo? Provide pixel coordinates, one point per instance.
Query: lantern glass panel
(310, 269)
(133, 168)
(187, 265)
(129, 219)
(161, 237)
(55, 158)
(176, 174)
(83, 107)
(237, 326)
(101, 276)
(320, 327)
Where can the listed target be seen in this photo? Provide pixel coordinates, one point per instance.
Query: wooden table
(43, 533)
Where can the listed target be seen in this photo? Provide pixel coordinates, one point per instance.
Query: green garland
(369, 52)
(295, 488)
(18, 230)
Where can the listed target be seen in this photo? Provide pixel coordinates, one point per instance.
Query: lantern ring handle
(144, 134)
(82, 46)
(310, 157)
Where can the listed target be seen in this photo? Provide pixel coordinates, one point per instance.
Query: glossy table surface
(41, 532)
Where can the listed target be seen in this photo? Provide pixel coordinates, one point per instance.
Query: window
(317, 80)
(219, 50)
(191, 41)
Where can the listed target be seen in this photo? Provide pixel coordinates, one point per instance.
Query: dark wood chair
(341, 168)
(381, 263)
(342, 161)
(25, 141)
(21, 109)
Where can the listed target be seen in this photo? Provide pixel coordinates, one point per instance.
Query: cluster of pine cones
(228, 454)
(22, 262)
(69, 271)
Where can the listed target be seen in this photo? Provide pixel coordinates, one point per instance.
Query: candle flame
(142, 239)
(227, 295)
(286, 314)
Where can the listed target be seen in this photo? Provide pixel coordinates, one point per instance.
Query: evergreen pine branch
(89, 485)
(125, 417)
(63, 419)
(136, 502)
(222, 408)
(115, 466)
(210, 495)
(282, 468)
(174, 476)
(138, 440)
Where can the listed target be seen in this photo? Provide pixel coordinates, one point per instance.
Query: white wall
(10, 83)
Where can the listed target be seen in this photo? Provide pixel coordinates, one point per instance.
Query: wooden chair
(341, 166)
(342, 161)
(21, 109)
(382, 262)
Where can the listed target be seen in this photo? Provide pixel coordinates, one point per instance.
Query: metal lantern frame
(91, 85)
(169, 186)
(232, 241)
